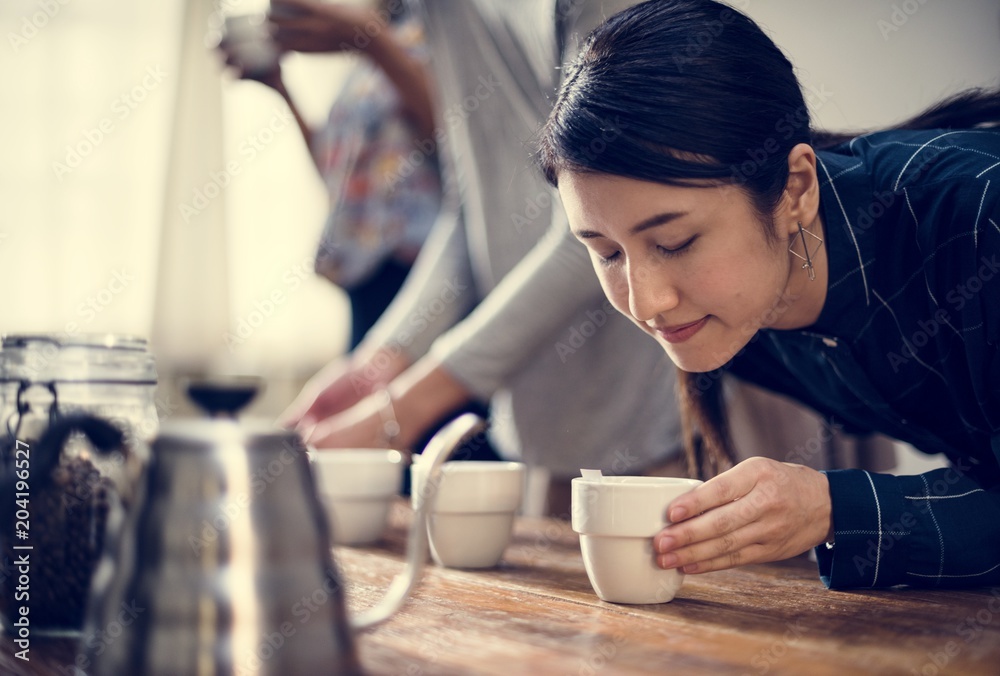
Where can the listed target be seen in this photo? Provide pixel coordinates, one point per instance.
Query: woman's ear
(800, 201)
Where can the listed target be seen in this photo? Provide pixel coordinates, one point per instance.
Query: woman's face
(691, 266)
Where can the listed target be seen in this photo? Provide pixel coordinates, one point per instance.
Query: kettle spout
(441, 447)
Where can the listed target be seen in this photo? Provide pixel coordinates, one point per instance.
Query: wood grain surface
(537, 614)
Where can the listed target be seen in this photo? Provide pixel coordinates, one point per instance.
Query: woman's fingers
(761, 510)
(723, 489)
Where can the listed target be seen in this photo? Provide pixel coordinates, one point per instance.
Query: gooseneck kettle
(225, 565)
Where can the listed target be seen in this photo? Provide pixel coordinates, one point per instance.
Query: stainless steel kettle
(225, 565)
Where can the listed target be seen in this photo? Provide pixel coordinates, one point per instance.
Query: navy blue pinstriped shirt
(906, 345)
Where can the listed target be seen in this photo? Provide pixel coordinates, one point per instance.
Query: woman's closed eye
(677, 250)
(609, 258)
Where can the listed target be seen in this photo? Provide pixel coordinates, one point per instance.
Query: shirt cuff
(870, 526)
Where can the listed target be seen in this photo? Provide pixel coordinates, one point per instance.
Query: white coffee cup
(249, 39)
(617, 517)
(357, 487)
(473, 516)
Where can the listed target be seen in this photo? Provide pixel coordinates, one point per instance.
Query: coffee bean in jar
(67, 524)
(97, 392)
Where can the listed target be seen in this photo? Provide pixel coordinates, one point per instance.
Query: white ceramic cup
(617, 518)
(357, 487)
(249, 39)
(473, 516)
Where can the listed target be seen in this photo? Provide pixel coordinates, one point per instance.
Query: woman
(859, 278)
(376, 152)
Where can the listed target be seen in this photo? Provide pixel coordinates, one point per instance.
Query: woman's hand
(270, 77)
(341, 384)
(310, 26)
(761, 510)
(360, 426)
(421, 396)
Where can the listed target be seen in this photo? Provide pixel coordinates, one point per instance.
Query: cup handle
(441, 446)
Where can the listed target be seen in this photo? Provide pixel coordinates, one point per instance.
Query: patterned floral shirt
(382, 181)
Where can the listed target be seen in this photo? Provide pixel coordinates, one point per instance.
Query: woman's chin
(694, 361)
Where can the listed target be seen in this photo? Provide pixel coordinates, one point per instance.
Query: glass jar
(53, 521)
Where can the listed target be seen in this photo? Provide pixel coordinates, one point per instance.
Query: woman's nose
(650, 292)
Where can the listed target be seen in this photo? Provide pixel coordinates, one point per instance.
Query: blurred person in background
(375, 153)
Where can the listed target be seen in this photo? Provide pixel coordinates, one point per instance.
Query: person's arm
(304, 128)
(937, 529)
(472, 360)
(529, 306)
(272, 78)
(310, 26)
(438, 292)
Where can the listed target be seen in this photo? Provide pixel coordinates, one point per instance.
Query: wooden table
(537, 614)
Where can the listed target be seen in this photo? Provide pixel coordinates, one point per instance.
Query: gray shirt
(502, 294)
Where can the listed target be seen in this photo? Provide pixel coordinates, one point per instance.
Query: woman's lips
(678, 334)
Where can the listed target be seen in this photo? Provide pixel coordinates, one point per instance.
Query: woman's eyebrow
(651, 222)
(655, 221)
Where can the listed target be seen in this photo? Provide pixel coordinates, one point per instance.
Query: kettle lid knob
(223, 397)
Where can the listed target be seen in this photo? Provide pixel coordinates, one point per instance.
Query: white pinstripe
(942, 497)
(850, 228)
(916, 221)
(847, 171)
(994, 224)
(905, 341)
(937, 527)
(950, 147)
(878, 511)
(975, 226)
(968, 575)
(906, 166)
(997, 164)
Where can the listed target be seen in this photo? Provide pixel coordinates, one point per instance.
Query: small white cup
(617, 517)
(249, 39)
(357, 487)
(473, 516)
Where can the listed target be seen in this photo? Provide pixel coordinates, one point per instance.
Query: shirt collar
(848, 239)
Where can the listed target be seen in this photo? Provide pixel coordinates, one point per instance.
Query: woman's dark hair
(692, 92)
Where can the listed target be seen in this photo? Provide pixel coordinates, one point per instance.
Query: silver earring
(808, 265)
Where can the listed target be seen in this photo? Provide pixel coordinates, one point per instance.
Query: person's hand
(310, 26)
(760, 510)
(270, 77)
(340, 385)
(360, 426)
(421, 395)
